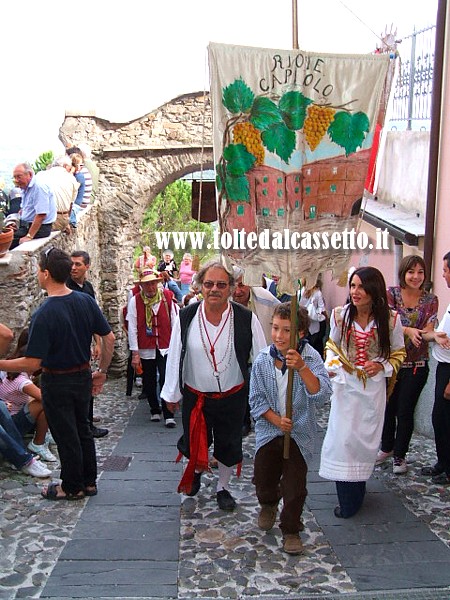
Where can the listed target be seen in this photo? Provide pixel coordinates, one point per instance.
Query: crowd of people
(232, 357)
(50, 200)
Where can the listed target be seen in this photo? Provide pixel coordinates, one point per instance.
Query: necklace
(211, 353)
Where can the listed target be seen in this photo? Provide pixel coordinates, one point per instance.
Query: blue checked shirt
(264, 396)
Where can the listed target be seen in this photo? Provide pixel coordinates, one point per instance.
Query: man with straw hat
(151, 313)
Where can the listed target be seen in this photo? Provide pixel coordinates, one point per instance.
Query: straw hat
(149, 275)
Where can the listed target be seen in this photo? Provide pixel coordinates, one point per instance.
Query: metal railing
(412, 95)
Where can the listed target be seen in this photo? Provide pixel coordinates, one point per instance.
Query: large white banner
(293, 134)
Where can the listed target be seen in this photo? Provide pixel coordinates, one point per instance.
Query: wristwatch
(102, 371)
(29, 236)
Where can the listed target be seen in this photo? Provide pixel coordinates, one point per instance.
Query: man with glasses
(38, 207)
(59, 343)
(210, 349)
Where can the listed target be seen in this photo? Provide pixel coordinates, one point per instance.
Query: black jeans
(150, 368)
(399, 415)
(43, 232)
(441, 417)
(66, 400)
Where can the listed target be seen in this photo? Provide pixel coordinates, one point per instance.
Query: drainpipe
(398, 255)
(436, 103)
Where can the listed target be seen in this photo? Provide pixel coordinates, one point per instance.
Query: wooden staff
(290, 384)
(294, 25)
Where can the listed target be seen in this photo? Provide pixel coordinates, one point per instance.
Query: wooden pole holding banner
(290, 385)
(294, 25)
(293, 340)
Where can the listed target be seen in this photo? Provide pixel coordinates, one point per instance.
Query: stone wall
(19, 290)
(185, 121)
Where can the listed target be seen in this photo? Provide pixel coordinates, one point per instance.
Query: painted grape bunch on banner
(258, 123)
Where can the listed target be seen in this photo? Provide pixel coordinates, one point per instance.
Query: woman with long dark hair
(365, 348)
(418, 313)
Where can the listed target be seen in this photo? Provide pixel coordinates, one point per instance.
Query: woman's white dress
(357, 412)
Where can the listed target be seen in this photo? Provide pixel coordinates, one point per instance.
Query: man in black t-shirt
(59, 343)
(78, 282)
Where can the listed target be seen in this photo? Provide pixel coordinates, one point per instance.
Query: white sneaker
(138, 382)
(155, 418)
(171, 423)
(383, 456)
(43, 451)
(49, 439)
(400, 467)
(36, 469)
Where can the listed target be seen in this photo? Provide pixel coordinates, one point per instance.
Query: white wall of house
(403, 173)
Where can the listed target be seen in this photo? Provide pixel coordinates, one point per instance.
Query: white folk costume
(358, 402)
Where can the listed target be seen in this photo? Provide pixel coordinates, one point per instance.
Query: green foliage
(231, 177)
(280, 140)
(293, 107)
(349, 130)
(239, 159)
(171, 211)
(238, 97)
(264, 113)
(43, 161)
(237, 188)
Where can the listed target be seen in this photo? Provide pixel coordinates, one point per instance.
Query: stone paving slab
(396, 553)
(131, 530)
(101, 513)
(132, 591)
(354, 533)
(392, 577)
(139, 489)
(143, 571)
(95, 549)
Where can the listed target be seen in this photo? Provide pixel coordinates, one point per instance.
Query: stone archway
(137, 160)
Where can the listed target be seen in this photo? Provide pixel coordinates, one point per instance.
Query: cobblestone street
(221, 555)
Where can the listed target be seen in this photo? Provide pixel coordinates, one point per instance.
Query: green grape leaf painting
(264, 113)
(348, 130)
(237, 188)
(239, 159)
(280, 140)
(238, 97)
(293, 107)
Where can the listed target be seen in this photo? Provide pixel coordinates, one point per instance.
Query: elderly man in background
(262, 303)
(38, 209)
(259, 300)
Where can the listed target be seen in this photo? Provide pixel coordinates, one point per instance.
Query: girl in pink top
(24, 401)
